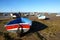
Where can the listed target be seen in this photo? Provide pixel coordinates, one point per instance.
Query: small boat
(19, 23)
(41, 16)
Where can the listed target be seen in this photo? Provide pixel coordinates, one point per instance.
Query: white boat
(41, 17)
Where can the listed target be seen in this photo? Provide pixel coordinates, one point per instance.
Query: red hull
(13, 26)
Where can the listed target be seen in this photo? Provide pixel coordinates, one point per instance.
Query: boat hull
(14, 27)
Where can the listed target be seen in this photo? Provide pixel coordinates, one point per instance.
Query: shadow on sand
(36, 26)
(47, 18)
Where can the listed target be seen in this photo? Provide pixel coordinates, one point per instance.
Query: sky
(29, 5)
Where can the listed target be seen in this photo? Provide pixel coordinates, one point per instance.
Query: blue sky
(30, 5)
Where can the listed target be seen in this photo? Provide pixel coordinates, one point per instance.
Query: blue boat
(13, 25)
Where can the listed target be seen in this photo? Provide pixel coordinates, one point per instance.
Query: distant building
(5, 16)
(58, 14)
(53, 14)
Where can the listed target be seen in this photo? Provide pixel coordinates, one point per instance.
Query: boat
(19, 23)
